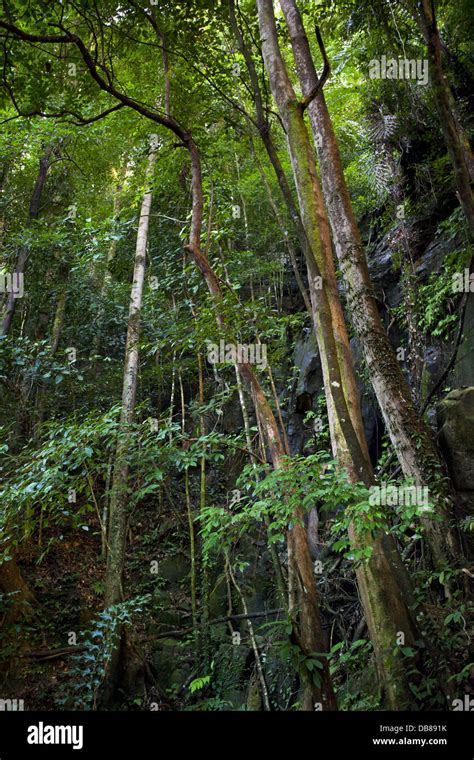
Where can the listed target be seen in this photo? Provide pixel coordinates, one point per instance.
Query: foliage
(89, 668)
(186, 449)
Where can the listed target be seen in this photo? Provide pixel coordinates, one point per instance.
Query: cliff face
(447, 360)
(456, 439)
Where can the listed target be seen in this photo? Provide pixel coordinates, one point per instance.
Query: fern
(383, 128)
(90, 665)
(379, 172)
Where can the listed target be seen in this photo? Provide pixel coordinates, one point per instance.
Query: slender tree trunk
(4, 171)
(118, 513)
(279, 578)
(33, 212)
(281, 224)
(60, 312)
(110, 257)
(204, 640)
(118, 505)
(56, 332)
(190, 517)
(456, 140)
(258, 659)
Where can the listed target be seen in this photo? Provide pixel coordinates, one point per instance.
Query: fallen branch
(217, 621)
(53, 654)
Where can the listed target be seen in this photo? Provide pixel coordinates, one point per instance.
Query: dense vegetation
(236, 279)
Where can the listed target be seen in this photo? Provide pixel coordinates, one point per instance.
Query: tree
(415, 449)
(456, 140)
(207, 225)
(116, 539)
(33, 212)
(385, 569)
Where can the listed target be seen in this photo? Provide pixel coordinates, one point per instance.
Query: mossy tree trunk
(23, 254)
(456, 140)
(383, 582)
(416, 451)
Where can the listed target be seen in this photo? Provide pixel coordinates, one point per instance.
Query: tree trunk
(59, 314)
(11, 581)
(383, 581)
(33, 212)
(119, 496)
(56, 332)
(456, 141)
(110, 257)
(4, 171)
(410, 437)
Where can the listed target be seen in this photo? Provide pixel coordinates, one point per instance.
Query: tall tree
(455, 137)
(385, 617)
(417, 453)
(118, 514)
(24, 252)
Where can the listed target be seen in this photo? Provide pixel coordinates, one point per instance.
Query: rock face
(431, 250)
(429, 259)
(456, 436)
(307, 385)
(463, 371)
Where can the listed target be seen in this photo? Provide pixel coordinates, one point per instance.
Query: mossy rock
(180, 675)
(236, 697)
(218, 599)
(174, 569)
(456, 436)
(164, 662)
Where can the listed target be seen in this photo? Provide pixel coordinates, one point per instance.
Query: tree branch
(322, 80)
(72, 38)
(80, 120)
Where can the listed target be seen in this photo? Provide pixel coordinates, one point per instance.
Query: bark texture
(416, 451)
(455, 138)
(118, 514)
(383, 581)
(33, 213)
